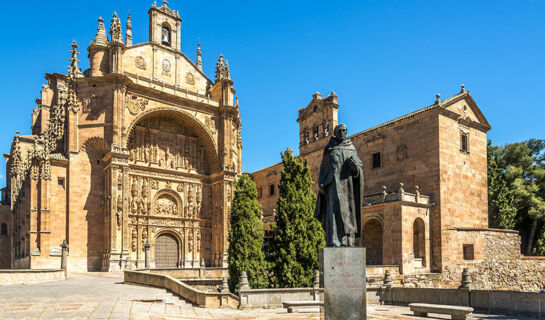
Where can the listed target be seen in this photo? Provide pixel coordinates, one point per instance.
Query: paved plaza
(104, 296)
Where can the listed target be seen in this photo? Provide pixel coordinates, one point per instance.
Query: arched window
(3, 229)
(165, 34)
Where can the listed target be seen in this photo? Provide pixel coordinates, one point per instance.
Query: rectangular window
(259, 192)
(464, 143)
(469, 253)
(271, 190)
(376, 160)
(60, 182)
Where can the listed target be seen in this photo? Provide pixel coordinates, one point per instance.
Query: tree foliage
(297, 235)
(516, 176)
(246, 237)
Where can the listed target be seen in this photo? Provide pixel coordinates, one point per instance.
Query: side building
(425, 181)
(140, 148)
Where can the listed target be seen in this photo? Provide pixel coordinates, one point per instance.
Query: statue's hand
(354, 166)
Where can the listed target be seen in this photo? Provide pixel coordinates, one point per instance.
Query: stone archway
(419, 240)
(167, 251)
(373, 242)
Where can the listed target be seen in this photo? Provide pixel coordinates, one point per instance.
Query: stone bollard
(147, 257)
(316, 286)
(224, 286)
(244, 281)
(466, 279)
(201, 268)
(64, 258)
(387, 282)
(386, 288)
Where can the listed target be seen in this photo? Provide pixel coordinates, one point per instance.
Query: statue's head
(340, 131)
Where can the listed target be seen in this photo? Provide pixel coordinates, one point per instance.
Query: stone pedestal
(344, 283)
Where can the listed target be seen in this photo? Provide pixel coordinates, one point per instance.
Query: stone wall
(195, 296)
(9, 277)
(492, 301)
(498, 262)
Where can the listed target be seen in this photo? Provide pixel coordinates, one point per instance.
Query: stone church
(140, 148)
(425, 187)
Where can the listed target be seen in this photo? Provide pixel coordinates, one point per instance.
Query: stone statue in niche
(190, 241)
(134, 239)
(144, 236)
(340, 182)
(119, 179)
(198, 242)
(146, 155)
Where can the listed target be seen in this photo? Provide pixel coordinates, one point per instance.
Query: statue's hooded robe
(338, 206)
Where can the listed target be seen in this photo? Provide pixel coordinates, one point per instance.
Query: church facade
(425, 185)
(140, 148)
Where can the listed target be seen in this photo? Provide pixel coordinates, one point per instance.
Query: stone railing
(28, 276)
(193, 273)
(400, 195)
(195, 296)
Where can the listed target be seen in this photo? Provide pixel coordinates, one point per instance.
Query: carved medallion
(189, 78)
(140, 62)
(166, 65)
(135, 104)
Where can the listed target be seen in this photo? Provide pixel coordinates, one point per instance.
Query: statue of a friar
(338, 207)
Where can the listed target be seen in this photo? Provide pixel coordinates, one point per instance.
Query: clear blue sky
(382, 58)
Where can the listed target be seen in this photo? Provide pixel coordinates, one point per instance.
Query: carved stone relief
(140, 62)
(135, 104)
(189, 78)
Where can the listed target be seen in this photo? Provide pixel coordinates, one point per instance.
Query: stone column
(64, 258)
(147, 246)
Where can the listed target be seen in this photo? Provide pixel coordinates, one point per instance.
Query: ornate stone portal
(169, 192)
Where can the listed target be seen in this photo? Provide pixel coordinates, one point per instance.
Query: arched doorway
(373, 241)
(419, 240)
(167, 251)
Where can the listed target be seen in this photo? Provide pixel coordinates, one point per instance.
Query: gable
(165, 65)
(466, 107)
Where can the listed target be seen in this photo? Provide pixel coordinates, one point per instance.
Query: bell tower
(317, 121)
(164, 26)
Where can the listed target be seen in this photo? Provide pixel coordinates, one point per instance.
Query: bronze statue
(338, 207)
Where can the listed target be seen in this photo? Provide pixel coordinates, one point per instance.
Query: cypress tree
(297, 235)
(246, 237)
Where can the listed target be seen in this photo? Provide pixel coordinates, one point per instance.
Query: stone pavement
(104, 296)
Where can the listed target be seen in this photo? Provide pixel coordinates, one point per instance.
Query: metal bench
(294, 305)
(456, 312)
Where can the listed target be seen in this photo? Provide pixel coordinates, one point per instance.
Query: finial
(222, 69)
(463, 86)
(73, 69)
(100, 38)
(128, 39)
(165, 2)
(437, 101)
(199, 56)
(115, 29)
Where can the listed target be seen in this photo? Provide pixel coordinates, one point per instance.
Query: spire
(199, 57)
(115, 29)
(128, 40)
(222, 69)
(73, 69)
(101, 39)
